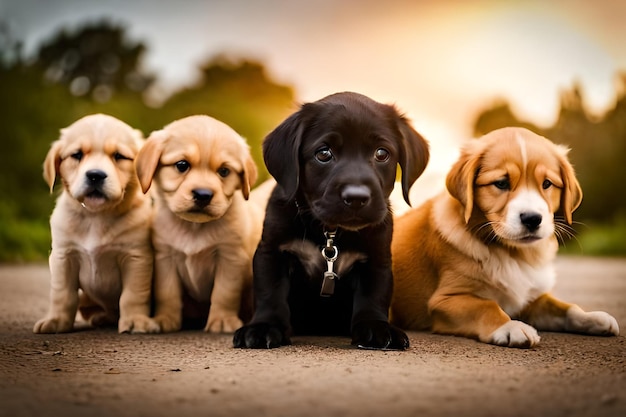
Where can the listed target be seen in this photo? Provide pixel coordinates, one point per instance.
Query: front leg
(233, 271)
(478, 318)
(370, 321)
(64, 271)
(550, 314)
(269, 326)
(136, 269)
(168, 295)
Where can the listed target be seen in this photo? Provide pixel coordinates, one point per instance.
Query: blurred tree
(598, 148)
(240, 94)
(97, 59)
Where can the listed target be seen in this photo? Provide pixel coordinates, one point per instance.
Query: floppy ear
(147, 159)
(281, 151)
(460, 180)
(248, 176)
(52, 162)
(572, 194)
(414, 155)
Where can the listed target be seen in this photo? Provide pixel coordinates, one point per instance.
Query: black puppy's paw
(377, 334)
(260, 336)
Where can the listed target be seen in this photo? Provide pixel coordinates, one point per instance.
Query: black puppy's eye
(78, 155)
(503, 184)
(324, 155)
(546, 184)
(223, 172)
(182, 166)
(118, 156)
(381, 155)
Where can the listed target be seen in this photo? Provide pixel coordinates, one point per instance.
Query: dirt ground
(100, 373)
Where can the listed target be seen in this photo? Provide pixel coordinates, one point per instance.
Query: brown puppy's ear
(572, 194)
(460, 180)
(281, 151)
(52, 162)
(248, 176)
(414, 155)
(147, 159)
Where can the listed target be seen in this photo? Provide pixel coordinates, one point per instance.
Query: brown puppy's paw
(260, 336)
(596, 323)
(515, 334)
(378, 334)
(54, 325)
(222, 323)
(138, 323)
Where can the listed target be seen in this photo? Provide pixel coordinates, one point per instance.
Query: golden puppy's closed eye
(477, 260)
(205, 232)
(100, 229)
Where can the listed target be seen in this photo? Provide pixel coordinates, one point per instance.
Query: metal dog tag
(328, 284)
(329, 253)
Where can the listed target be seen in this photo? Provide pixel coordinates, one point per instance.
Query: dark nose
(95, 176)
(356, 196)
(531, 220)
(202, 197)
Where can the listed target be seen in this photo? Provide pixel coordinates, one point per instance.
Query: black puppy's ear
(414, 155)
(281, 152)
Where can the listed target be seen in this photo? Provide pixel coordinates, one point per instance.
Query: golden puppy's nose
(202, 197)
(96, 176)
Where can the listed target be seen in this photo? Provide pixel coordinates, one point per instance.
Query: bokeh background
(458, 69)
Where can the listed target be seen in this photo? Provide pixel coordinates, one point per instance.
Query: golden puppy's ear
(52, 162)
(248, 176)
(460, 180)
(572, 194)
(414, 155)
(148, 158)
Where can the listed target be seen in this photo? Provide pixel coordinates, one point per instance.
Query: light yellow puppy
(204, 232)
(100, 229)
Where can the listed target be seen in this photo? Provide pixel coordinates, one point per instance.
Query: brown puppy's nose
(356, 196)
(530, 220)
(95, 176)
(202, 197)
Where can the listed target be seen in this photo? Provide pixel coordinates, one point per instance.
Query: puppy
(323, 265)
(204, 232)
(477, 260)
(100, 229)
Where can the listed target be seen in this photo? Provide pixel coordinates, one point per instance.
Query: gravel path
(101, 373)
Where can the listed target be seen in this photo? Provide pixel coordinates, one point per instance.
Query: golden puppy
(477, 261)
(100, 229)
(204, 232)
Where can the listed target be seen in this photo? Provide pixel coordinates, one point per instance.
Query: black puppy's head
(340, 155)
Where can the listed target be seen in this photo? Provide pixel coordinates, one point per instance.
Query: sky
(439, 61)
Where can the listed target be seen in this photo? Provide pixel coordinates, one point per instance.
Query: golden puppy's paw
(54, 325)
(596, 323)
(138, 323)
(222, 323)
(168, 323)
(514, 334)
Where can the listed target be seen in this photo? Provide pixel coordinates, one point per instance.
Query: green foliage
(238, 93)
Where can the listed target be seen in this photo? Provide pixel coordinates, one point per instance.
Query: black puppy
(323, 265)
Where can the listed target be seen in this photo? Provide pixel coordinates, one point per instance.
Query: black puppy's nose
(202, 197)
(96, 176)
(356, 196)
(531, 220)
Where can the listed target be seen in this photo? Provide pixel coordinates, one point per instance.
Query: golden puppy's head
(511, 184)
(94, 159)
(197, 163)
